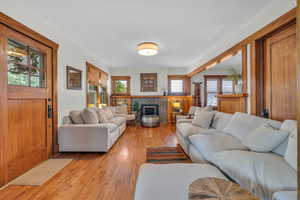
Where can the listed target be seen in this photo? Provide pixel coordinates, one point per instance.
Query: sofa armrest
(184, 121)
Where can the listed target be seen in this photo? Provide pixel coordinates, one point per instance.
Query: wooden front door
(280, 74)
(28, 74)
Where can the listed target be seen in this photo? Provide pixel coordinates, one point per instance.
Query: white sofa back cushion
(89, 116)
(105, 115)
(203, 119)
(291, 152)
(221, 120)
(289, 126)
(264, 138)
(241, 124)
(75, 116)
(121, 109)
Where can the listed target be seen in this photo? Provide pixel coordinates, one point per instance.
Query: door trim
(6, 21)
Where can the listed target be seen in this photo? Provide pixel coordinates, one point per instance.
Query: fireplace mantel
(187, 102)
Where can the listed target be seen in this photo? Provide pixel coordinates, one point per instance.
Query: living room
(149, 100)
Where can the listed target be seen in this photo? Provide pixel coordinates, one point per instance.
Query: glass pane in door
(17, 64)
(25, 65)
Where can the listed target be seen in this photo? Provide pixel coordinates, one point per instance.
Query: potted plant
(135, 107)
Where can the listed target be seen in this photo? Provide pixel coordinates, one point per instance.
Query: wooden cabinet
(232, 103)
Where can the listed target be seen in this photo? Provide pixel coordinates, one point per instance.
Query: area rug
(166, 155)
(41, 173)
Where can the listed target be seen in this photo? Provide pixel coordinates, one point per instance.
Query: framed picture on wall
(74, 77)
(148, 82)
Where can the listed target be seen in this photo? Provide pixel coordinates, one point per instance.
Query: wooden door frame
(6, 21)
(258, 63)
(298, 89)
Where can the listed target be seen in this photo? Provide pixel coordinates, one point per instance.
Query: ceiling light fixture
(147, 49)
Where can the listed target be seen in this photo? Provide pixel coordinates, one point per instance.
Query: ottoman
(170, 181)
(150, 121)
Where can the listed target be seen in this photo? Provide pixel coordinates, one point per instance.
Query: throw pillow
(89, 116)
(203, 119)
(122, 109)
(291, 152)
(76, 117)
(105, 115)
(208, 108)
(265, 138)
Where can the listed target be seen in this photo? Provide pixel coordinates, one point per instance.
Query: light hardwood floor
(101, 176)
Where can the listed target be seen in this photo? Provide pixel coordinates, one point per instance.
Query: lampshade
(147, 49)
(176, 105)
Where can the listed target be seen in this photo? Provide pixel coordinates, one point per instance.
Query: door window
(25, 65)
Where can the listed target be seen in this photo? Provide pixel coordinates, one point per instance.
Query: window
(212, 92)
(120, 85)
(179, 85)
(176, 86)
(216, 85)
(25, 65)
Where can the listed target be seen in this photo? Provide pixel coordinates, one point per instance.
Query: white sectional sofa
(76, 135)
(266, 174)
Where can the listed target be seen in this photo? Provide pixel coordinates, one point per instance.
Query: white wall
(69, 53)
(134, 73)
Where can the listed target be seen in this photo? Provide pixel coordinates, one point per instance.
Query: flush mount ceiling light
(147, 49)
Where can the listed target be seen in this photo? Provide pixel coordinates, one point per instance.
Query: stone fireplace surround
(161, 102)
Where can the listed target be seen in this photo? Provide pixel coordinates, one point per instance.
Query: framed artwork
(148, 82)
(74, 77)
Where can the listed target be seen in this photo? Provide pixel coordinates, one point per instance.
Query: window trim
(219, 79)
(186, 85)
(113, 85)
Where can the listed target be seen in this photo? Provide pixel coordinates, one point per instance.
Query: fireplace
(149, 109)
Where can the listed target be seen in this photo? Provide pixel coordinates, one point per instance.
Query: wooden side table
(219, 189)
(174, 114)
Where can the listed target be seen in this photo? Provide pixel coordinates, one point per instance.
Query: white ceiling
(111, 29)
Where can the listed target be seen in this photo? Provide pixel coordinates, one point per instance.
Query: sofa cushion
(118, 120)
(76, 117)
(171, 181)
(221, 120)
(208, 108)
(241, 124)
(261, 173)
(122, 109)
(289, 126)
(285, 195)
(89, 116)
(264, 138)
(208, 145)
(105, 115)
(292, 150)
(192, 110)
(188, 129)
(203, 119)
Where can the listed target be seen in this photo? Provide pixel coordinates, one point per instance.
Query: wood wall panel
(27, 138)
(3, 111)
(232, 103)
(280, 75)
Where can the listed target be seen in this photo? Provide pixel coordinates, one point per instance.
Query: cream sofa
(267, 175)
(98, 137)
